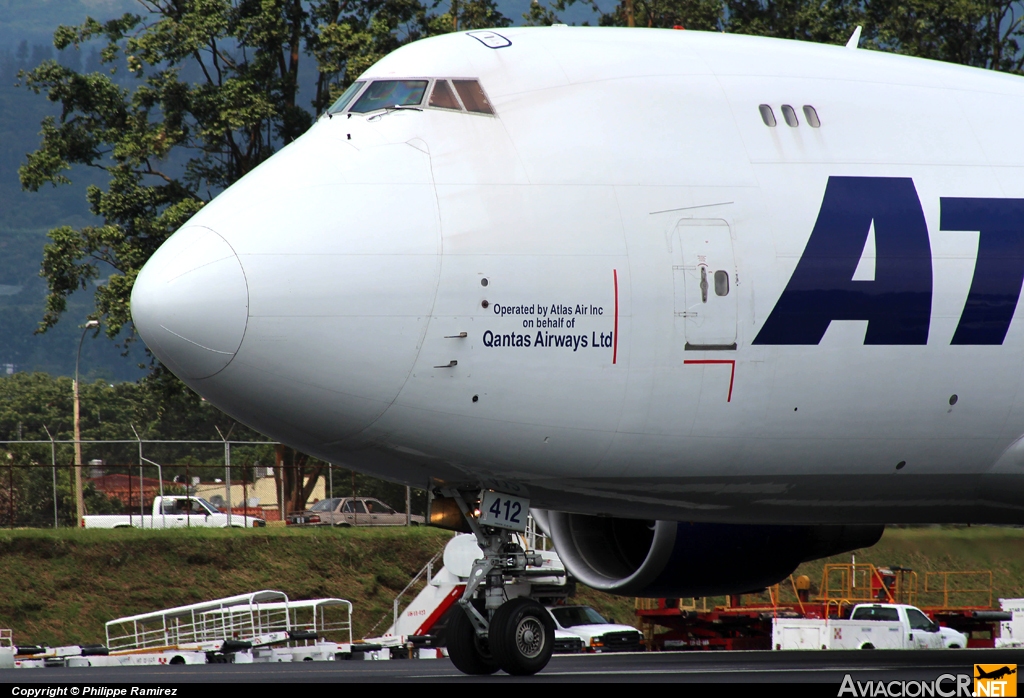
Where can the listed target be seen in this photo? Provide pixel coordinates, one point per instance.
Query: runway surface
(692, 667)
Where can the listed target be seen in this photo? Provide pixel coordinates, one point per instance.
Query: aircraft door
(704, 280)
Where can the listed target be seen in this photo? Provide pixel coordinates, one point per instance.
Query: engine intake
(674, 559)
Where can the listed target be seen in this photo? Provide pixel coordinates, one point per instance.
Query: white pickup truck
(174, 512)
(871, 626)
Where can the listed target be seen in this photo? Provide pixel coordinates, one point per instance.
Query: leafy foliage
(215, 93)
(980, 33)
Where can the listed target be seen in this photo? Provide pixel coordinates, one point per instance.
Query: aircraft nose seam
(191, 302)
(212, 261)
(202, 346)
(245, 327)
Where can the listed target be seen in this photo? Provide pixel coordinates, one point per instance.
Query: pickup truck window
(577, 615)
(204, 507)
(919, 621)
(875, 613)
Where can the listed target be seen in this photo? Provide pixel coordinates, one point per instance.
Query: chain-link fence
(253, 478)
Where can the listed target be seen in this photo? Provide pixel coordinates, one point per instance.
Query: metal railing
(191, 624)
(319, 616)
(428, 571)
(953, 587)
(864, 583)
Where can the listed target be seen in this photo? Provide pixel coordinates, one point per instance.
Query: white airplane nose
(190, 303)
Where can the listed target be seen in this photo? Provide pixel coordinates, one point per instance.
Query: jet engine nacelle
(674, 559)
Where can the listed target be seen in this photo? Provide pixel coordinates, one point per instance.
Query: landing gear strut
(495, 631)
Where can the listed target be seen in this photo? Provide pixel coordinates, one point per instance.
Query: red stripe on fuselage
(615, 331)
(732, 375)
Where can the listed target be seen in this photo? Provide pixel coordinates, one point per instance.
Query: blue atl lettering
(897, 304)
(999, 271)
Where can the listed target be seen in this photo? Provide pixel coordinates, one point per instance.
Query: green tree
(980, 33)
(821, 21)
(214, 91)
(463, 15)
(705, 15)
(211, 91)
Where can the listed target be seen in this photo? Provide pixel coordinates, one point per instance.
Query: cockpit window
(382, 94)
(346, 97)
(442, 97)
(473, 96)
(454, 94)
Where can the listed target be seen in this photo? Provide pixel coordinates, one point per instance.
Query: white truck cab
(596, 633)
(177, 511)
(871, 626)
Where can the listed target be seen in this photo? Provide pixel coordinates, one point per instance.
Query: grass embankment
(60, 587)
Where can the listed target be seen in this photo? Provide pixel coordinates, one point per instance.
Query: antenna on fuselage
(855, 39)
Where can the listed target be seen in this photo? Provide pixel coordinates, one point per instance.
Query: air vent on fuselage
(789, 115)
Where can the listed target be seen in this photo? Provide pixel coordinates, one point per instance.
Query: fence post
(129, 469)
(53, 461)
(227, 479)
(142, 498)
(227, 468)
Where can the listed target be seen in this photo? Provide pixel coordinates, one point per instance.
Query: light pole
(79, 502)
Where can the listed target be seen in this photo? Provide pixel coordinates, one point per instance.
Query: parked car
(596, 633)
(351, 511)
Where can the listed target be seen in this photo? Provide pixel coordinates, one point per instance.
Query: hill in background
(61, 587)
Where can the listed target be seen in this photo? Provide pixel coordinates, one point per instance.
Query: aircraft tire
(522, 636)
(469, 654)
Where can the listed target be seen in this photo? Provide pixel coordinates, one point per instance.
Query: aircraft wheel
(469, 653)
(522, 636)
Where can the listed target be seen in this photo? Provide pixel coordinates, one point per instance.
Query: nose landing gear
(509, 630)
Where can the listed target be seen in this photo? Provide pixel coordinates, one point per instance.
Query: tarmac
(820, 667)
